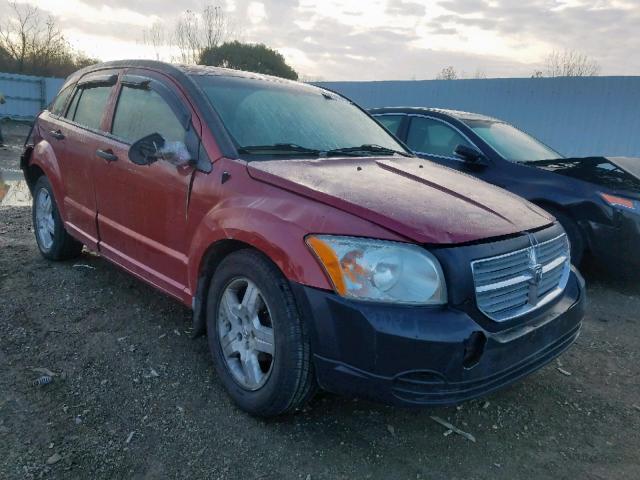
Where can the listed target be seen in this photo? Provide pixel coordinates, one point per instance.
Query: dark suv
(312, 247)
(596, 199)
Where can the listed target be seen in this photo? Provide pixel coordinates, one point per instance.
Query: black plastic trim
(98, 80)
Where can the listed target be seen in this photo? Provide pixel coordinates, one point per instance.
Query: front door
(436, 140)
(142, 209)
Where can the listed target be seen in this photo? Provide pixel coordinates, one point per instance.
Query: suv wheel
(53, 240)
(258, 341)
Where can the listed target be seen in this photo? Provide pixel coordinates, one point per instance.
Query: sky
(377, 39)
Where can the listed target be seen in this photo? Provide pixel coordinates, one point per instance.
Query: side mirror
(154, 147)
(469, 154)
(146, 150)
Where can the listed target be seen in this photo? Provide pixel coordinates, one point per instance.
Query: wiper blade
(367, 148)
(292, 148)
(278, 148)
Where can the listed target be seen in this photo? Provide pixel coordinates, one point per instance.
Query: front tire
(258, 340)
(53, 240)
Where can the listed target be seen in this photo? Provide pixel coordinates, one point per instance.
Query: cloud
(384, 39)
(606, 31)
(406, 8)
(256, 12)
(466, 6)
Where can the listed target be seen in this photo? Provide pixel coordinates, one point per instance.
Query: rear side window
(391, 122)
(87, 106)
(57, 106)
(434, 137)
(141, 112)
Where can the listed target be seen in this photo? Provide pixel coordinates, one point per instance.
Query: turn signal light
(617, 201)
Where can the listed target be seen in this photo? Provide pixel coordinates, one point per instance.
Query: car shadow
(626, 281)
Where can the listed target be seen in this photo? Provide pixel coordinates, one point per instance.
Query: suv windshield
(511, 143)
(286, 119)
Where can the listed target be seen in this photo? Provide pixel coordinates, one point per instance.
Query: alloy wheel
(246, 334)
(45, 225)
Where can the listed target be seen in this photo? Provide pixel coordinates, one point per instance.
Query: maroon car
(313, 248)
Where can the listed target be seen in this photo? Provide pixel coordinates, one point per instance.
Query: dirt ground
(134, 396)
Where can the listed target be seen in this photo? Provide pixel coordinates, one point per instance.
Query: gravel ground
(133, 396)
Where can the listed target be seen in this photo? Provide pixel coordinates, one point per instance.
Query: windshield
(511, 143)
(297, 119)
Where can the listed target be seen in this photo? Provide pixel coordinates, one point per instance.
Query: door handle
(57, 134)
(107, 155)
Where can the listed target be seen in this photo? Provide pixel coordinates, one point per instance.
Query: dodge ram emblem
(535, 269)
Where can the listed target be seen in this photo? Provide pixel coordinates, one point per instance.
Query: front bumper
(412, 356)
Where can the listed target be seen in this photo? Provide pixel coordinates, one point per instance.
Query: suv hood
(614, 173)
(415, 198)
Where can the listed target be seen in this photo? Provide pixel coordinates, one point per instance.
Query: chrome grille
(516, 283)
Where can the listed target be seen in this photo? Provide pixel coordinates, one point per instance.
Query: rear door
(51, 123)
(79, 131)
(142, 209)
(52, 126)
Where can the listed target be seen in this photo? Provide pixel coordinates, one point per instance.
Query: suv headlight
(380, 270)
(624, 202)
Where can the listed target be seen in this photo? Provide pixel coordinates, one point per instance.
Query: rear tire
(259, 342)
(576, 240)
(53, 240)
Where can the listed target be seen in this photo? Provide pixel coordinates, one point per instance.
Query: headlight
(616, 201)
(380, 271)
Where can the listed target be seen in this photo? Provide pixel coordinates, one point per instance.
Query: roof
(180, 71)
(460, 115)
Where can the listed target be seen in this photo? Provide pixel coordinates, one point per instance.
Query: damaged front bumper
(412, 356)
(616, 245)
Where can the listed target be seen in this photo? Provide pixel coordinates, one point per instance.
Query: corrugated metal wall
(576, 116)
(26, 95)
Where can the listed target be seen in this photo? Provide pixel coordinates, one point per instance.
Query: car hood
(613, 173)
(417, 199)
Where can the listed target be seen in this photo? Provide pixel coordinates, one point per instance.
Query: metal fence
(576, 116)
(26, 95)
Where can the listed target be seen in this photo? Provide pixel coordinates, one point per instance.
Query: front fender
(576, 198)
(284, 246)
(280, 239)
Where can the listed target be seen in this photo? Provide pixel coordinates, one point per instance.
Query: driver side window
(391, 122)
(434, 137)
(141, 112)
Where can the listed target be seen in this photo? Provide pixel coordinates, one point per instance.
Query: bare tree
(479, 74)
(31, 43)
(568, 63)
(156, 38)
(195, 32)
(214, 27)
(447, 73)
(192, 33)
(30, 36)
(187, 36)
